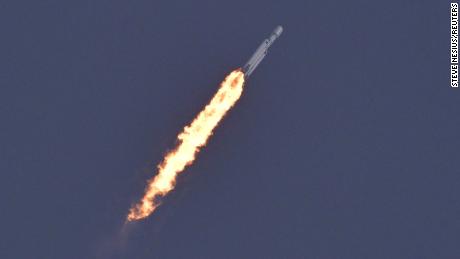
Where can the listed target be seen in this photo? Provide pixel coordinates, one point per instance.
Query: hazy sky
(345, 143)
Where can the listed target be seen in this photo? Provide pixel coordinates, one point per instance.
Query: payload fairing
(260, 52)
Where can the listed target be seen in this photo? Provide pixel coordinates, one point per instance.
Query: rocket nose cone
(278, 30)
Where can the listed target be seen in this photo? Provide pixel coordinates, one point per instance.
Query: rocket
(260, 52)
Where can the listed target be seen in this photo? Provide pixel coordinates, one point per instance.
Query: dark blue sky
(345, 143)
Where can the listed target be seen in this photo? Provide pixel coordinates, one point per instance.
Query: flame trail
(192, 138)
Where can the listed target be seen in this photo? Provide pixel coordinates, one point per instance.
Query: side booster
(260, 52)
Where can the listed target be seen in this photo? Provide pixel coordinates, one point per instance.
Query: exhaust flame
(192, 138)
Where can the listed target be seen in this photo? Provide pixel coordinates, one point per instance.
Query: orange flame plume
(192, 138)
